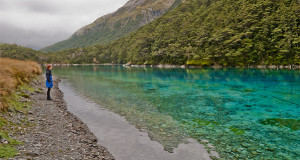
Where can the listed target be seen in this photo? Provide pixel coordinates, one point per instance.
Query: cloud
(39, 23)
(29, 38)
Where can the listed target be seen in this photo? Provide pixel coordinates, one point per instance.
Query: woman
(49, 82)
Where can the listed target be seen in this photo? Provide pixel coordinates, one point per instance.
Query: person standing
(49, 81)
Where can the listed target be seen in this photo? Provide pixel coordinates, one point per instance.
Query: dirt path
(55, 132)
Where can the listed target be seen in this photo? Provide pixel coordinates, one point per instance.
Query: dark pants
(48, 93)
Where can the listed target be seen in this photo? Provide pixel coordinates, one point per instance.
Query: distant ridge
(133, 15)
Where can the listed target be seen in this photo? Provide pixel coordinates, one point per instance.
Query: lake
(244, 113)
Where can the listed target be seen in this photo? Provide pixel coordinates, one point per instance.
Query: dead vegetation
(14, 73)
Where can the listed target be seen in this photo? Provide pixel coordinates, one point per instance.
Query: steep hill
(215, 32)
(205, 33)
(133, 15)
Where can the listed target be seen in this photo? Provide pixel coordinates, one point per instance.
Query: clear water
(244, 113)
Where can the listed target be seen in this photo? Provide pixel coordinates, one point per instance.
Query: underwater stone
(270, 149)
(210, 146)
(243, 154)
(214, 154)
(210, 114)
(259, 151)
(240, 150)
(246, 145)
(254, 152)
(205, 141)
(237, 131)
(222, 143)
(293, 124)
(262, 145)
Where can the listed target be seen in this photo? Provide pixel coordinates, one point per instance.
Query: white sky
(39, 23)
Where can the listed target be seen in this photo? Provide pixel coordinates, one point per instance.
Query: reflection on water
(245, 113)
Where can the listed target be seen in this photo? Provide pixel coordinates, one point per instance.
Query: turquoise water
(244, 113)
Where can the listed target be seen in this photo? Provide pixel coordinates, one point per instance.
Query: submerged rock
(205, 141)
(293, 124)
(214, 154)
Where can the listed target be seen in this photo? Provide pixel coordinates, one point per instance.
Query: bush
(202, 62)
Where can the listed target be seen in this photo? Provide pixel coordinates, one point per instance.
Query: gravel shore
(53, 132)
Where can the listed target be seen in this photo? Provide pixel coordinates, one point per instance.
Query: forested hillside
(17, 52)
(201, 33)
(207, 32)
(133, 15)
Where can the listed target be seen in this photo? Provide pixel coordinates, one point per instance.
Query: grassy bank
(13, 74)
(14, 93)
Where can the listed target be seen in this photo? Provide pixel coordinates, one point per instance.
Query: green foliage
(11, 141)
(113, 26)
(7, 151)
(206, 32)
(26, 88)
(15, 103)
(14, 51)
(7, 127)
(17, 52)
(2, 122)
(202, 33)
(15, 100)
(217, 32)
(202, 62)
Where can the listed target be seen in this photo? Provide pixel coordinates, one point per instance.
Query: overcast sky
(39, 23)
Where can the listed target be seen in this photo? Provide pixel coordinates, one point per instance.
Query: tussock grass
(14, 73)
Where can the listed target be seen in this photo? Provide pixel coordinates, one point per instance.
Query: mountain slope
(215, 32)
(205, 33)
(133, 15)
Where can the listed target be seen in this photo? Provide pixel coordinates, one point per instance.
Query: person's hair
(48, 66)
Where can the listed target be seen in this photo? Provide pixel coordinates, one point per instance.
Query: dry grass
(14, 73)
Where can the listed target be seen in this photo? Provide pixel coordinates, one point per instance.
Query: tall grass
(14, 73)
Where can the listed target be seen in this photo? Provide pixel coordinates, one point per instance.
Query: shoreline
(52, 131)
(123, 139)
(276, 67)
